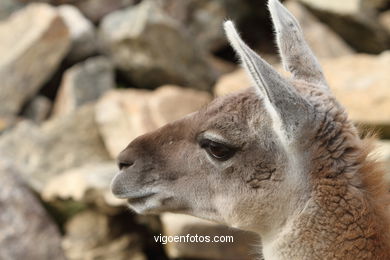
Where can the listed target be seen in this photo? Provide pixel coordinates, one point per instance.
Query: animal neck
(344, 217)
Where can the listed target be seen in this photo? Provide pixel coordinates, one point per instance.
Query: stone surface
(361, 84)
(362, 87)
(181, 225)
(348, 6)
(231, 82)
(57, 145)
(384, 19)
(322, 40)
(355, 21)
(335, 6)
(122, 115)
(88, 184)
(82, 33)
(378, 3)
(7, 7)
(38, 109)
(221, 66)
(33, 42)
(90, 235)
(83, 83)
(150, 48)
(95, 10)
(7, 122)
(202, 19)
(27, 231)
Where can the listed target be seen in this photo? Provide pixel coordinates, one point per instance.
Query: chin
(146, 207)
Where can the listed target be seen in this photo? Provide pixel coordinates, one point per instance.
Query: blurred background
(79, 79)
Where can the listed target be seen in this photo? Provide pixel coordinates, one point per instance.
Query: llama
(280, 158)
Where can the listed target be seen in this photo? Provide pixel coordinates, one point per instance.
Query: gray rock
(38, 109)
(57, 145)
(95, 10)
(7, 122)
(202, 18)
(87, 184)
(355, 21)
(238, 244)
(152, 49)
(33, 42)
(321, 39)
(83, 83)
(27, 231)
(90, 235)
(82, 33)
(378, 4)
(122, 115)
(384, 19)
(362, 87)
(7, 7)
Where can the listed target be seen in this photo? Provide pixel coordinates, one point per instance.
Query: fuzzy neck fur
(347, 213)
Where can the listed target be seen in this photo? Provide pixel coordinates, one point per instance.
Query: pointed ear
(296, 55)
(288, 109)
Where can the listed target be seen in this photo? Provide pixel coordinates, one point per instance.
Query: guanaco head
(245, 159)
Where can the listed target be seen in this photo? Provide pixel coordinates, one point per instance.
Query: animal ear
(296, 55)
(288, 109)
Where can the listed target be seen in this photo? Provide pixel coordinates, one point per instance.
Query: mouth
(140, 199)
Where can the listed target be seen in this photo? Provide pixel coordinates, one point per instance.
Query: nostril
(124, 165)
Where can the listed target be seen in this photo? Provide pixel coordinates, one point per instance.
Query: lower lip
(140, 199)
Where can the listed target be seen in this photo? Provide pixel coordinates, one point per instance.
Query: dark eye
(216, 150)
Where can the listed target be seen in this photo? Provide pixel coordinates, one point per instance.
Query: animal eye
(216, 150)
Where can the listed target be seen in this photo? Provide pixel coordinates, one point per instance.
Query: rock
(221, 66)
(87, 184)
(38, 109)
(203, 20)
(7, 7)
(83, 83)
(7, 122)
(231, 82)
(169, 103)
(362, 87)
(334, 6)
(378, 4)
(27, 231)
(355, 21)
(95, 10)
(384, 19)
(347, 7)
(82, 33)
(383, 153)
(33, 42)
(90, 235)
(150, 48)
(180, 225)
(122, 115)
(323, 41)
(57, 145)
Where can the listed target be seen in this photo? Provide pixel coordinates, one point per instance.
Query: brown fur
(300, 175)
(348, 191)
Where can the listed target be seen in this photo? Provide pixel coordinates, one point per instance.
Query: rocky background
(79, 79)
